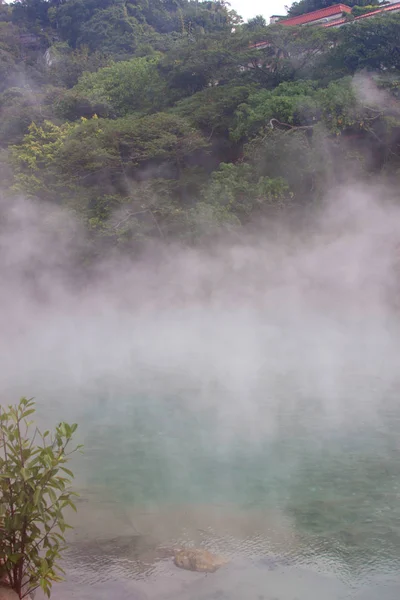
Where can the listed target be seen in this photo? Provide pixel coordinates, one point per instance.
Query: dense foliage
(174, 119)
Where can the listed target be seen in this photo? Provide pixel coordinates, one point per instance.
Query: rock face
(198, 560)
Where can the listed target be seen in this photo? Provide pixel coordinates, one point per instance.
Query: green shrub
(357, 11)
(34, 491)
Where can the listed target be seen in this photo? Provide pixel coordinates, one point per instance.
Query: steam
(216, 375)
(369, 94)
(254, 326)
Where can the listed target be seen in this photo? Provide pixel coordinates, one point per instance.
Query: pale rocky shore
(6, 593)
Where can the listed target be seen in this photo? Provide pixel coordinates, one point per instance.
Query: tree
(285, 53)
(194, 64)
(293, 103)
(110, 30)
(172, 118)
(255, 23)
(9, 54)
(18, 108)
(340, 106)
(213, 110)
(118, 26)
(34, 492)
(127, 86)
(79, 164)
(280, 155)
(238, 190)
(370, 44)
(111, 153)
(207, 220)
(31, 12)
(68, 18)
(65, 66)
(36, 171)
(185, 16)
(70, 105)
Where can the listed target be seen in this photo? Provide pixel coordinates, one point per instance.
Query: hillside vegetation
(159, 119)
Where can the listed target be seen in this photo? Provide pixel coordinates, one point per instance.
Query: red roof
(316, 15)
(373, 13)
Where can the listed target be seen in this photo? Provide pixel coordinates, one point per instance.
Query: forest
(175, 120)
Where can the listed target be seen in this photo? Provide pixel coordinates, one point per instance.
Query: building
(275, 18)
(333, 16)
(318, 17)
(393, 7)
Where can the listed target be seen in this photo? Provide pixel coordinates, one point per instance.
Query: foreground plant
(34, 491)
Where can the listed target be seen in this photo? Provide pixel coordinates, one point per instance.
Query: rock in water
(198, 560)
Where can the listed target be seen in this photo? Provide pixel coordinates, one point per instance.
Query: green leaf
(27, 413)
(36, 496)
(52, 495)
(67, 471)
(44, 566)
(14, 558)
(72, 505)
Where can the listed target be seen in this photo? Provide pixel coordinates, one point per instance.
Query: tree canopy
(174, 119)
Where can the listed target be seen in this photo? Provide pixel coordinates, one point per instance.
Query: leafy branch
(34, 491)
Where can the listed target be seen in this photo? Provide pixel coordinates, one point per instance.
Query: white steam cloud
(257, 327)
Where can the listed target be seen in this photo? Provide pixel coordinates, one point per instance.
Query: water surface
(309, 509)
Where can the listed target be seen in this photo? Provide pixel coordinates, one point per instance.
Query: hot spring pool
(310, 509)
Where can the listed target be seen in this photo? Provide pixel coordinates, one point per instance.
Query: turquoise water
(314, 492)
(274, 446)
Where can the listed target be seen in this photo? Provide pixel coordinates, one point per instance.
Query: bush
(357, 11)
(34, 491)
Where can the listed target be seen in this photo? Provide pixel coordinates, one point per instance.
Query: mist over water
(243, 397)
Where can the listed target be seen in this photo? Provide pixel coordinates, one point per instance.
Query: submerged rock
(198, 560)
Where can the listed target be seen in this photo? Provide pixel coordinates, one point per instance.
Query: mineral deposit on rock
(198, 560)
